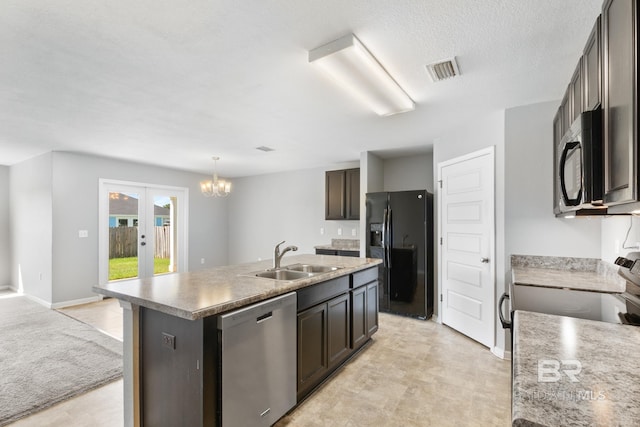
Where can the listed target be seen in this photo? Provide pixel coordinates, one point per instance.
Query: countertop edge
(286, 287)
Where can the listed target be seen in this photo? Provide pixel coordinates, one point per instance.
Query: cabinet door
(326, 252)
(312, 347)
(338, 334)
(372, 308)
(557, 136)
(576, 90)
(565, 107)
(335, 197)
(619, 67)
(592, 67)
(353, 193)
(359, 326)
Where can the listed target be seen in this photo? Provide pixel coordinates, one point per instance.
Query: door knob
(484, 260)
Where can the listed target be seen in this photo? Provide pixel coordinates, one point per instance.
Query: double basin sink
(295, 272)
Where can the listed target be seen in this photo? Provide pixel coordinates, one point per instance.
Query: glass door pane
(163, 237)
(123, 235)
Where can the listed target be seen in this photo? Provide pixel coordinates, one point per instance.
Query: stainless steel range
(630, 271)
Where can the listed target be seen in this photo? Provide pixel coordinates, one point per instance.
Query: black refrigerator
(400, 232)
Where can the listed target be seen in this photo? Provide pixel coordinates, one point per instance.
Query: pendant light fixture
(216, 187)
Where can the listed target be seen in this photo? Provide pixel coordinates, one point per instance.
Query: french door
(143, 230)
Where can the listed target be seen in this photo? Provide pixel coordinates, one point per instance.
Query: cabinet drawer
(363, 277)
(315, 294)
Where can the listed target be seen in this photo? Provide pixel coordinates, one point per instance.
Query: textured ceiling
(174, 83)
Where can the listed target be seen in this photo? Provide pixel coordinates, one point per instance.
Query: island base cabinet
(338, 331)
(364, 310)
(312, 348)
(177, 370)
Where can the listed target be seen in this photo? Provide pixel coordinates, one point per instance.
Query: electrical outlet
(339, 231)
(322, 231)
(201, 260)
(353, 232)
(168, 341)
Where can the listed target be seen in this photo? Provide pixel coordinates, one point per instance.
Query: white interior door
(467, 231)
(143, 230)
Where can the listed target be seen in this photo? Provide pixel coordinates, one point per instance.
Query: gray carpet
(47, 357)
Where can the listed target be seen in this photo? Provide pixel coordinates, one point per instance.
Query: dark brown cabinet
(312, 347)
(339, 252)
(592, 69)
(575, 92)
(557, 136)
(619, 100)
(334, 320)
(342, 194)
(364, 313)
(323, 340)
(338, 331)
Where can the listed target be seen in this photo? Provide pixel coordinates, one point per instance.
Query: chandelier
(216, 187)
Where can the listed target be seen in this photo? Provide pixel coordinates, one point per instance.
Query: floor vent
(443, 70)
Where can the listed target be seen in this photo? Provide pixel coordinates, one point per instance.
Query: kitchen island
(171, 339)
(574, 372)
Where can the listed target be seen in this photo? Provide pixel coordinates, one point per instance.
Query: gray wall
(409, 173)
(266, 209)
(5, 254)
(58, 192)
(31, 227)
(531, 228)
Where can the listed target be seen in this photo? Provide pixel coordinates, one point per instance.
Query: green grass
(126, 268)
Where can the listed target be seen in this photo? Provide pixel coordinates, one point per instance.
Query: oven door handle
(506, 324)
(563, 186)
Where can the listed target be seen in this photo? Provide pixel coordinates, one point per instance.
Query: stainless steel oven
(579, 169)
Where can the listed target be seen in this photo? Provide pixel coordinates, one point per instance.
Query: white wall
(31, 227)
(267, 209)
(409, 173)
(469, 137)
(614, 232)
(5, 254)
(531, 228)
(55, 195)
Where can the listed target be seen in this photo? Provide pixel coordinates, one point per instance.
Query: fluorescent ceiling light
(351, 65)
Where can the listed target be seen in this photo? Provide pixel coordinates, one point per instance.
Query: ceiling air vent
(443, 70)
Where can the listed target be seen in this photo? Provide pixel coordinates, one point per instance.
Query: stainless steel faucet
(277, 255)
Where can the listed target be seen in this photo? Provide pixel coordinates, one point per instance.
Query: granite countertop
(581, 274)
(198, 294)
(341, 245)
(607, 390)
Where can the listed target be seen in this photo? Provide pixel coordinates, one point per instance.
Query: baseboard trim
(80, 301)
(499, 352)
(64, 304)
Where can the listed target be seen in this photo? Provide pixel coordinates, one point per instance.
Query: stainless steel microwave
(579, 172)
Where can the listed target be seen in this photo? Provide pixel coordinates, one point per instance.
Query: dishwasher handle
(258, 313)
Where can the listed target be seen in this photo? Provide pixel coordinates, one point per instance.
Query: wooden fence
(123, 242)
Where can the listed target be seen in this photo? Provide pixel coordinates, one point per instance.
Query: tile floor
(414, 373)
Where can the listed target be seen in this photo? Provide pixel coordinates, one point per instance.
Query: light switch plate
(83, 233)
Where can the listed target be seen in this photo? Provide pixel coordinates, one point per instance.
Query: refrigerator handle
(389, 238)
(384, 238)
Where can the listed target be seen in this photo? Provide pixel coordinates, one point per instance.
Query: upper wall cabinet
(342, 194)
(592, 69)
(620, 67)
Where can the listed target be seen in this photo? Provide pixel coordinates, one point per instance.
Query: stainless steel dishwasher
(258, 362)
